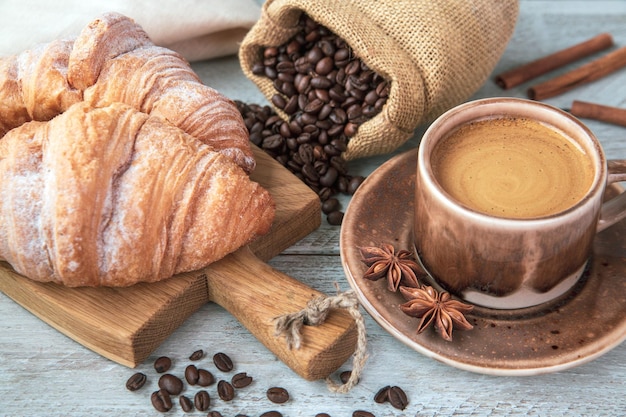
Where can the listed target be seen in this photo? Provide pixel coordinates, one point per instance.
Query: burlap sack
(436, 53)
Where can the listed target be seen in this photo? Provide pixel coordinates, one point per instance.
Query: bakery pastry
(158, 81)
(114, 60)
(111, 196)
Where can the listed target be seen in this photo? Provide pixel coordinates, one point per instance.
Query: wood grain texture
(43, 372)
(127, 324)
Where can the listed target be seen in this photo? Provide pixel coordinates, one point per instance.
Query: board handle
(256, 294)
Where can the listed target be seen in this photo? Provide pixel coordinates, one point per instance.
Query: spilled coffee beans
(327, 93)
(394, 395)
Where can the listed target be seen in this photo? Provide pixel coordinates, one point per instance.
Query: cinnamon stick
(587, 73)
(600, 112)
(517, 76)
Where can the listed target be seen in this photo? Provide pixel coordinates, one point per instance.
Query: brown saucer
(579, 327)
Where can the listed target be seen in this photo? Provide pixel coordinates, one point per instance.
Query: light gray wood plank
(45, 373)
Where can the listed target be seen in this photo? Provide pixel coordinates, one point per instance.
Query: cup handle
(614, 210)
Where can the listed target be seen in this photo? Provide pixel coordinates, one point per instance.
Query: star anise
(400, 268)
(435, 307)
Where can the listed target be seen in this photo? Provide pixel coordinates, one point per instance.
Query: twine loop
(315, 313)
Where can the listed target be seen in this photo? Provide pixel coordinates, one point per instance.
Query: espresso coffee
(512, 168)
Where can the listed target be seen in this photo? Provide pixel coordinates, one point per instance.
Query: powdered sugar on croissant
(113, 196)
(113, 60)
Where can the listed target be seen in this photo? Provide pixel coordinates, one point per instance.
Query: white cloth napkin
(197, 29)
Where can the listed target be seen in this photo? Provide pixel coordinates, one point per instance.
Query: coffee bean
(205, 378)
(202, 400)
(329, 178)
(271, 414)
(214, 414)
(162, 364)
(225, 390)
(345, 376)
(397, 398)
(362, 413)
(241, 380)
(324, 66)
(191, 374)
(197, 355)
(223, 362)
(320, 85)
(354, 184)
(279, 101)
(277, 395)
(330, 205)
(382, 395)
(171, 383)
(185, 403)
(335, 218)
(136, 381)
(161, 400)
(322, 415)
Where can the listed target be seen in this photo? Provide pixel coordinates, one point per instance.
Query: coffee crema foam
(512, 167)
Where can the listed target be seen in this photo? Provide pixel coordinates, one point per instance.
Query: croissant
(114, 60)
(112, 196)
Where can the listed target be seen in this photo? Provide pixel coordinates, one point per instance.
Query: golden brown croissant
(158, 81)
(112, 196)
(34, 85)
(115, 60)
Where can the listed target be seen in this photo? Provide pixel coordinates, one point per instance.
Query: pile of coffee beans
(327, 93)
(171, 385)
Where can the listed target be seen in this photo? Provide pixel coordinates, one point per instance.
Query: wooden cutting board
(127, 324)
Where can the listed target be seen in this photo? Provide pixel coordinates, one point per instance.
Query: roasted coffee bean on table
(202, 400)
(205, 378)
(327, 93)
(171, 383)
(397, 398)
(271, 414)
(382, 395)
(241, 380)
(223, 362)
(161, 400)
(162, 364)
(362, 413)
(197, 355)
(225, 390)
(191, 374)
(277, 395)
(185, 403)
(136, 381)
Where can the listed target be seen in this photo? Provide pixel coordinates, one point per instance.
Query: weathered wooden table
(43, 373)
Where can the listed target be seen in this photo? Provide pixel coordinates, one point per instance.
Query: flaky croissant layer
(114, 60)
(113, 196)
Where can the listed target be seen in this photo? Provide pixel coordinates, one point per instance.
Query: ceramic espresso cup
(508, 200)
